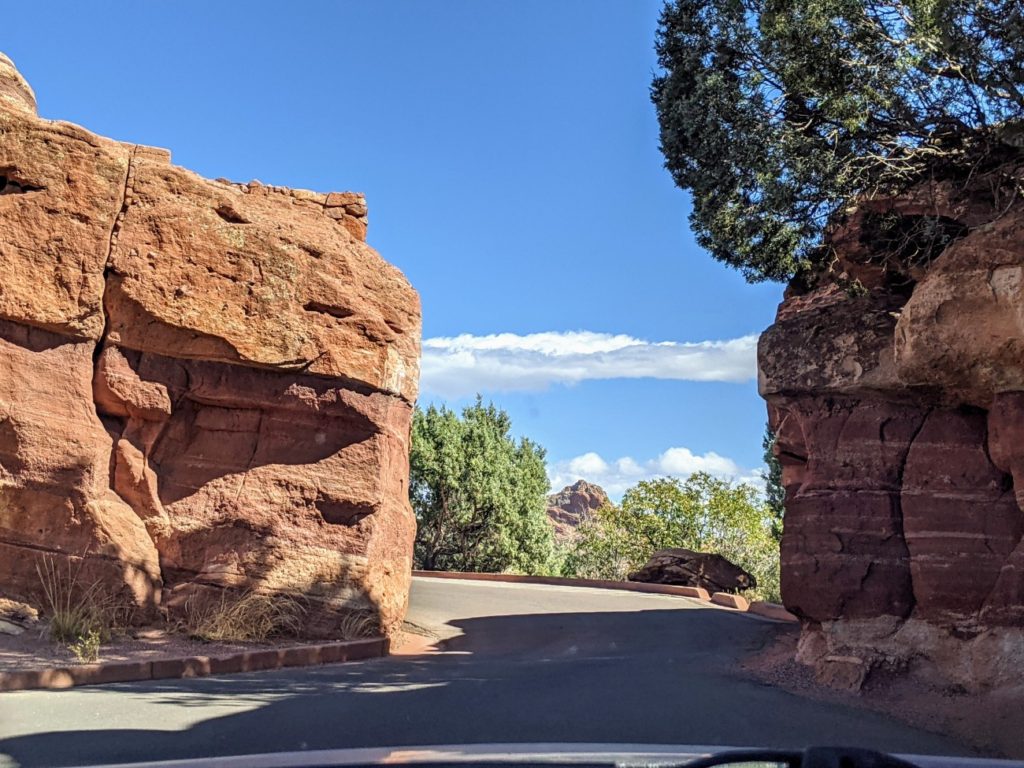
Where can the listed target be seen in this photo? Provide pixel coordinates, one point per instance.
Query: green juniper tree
(774, 492)
(775, 114)
(478, 494)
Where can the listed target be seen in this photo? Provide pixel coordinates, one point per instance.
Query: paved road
(523, 664)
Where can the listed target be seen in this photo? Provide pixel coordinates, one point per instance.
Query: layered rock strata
(896, 389)
(204, 386)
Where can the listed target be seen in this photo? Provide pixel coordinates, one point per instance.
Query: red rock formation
(899, 409)
(572, 505)
(203, 385)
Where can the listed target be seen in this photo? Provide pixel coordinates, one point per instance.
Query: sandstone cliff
(896, 389)
(572, 505)
(203, 385)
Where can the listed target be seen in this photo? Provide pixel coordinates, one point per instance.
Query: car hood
(620, 755)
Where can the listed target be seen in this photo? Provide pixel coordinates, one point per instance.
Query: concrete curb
(771, 611)
(629, 586)
(722, 599)
(729, 600)
(195, 666)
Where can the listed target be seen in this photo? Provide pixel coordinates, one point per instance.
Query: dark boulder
(687, 568)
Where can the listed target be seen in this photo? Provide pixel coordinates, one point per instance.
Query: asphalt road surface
(522, 663)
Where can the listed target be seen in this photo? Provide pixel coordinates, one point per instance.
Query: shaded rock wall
(203, 385)
(899, 409)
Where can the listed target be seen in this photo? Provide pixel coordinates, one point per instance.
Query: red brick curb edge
(735, 602)
(195, 666)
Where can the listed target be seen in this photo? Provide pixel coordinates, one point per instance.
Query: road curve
(520, 663)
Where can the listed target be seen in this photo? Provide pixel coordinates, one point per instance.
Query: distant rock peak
(573, 505)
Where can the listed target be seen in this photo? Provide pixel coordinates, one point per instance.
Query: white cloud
(464, 365)
(588, 464)
(618, 475)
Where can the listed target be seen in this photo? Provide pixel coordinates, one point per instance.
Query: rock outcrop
(687, 568)
(571, 506)
(896, 390)
(203, 385)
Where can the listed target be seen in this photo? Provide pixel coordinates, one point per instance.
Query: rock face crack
(10, 185)
(127, 193)
(898, 501)
(339, 313)
(231, 215)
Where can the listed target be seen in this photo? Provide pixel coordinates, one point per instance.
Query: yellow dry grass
(249, 617)
(80, 616)
(358, 624)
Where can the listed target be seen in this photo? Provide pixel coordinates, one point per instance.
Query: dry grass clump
(81, 617)
(18, 612)
(358, 624)
(249, 617)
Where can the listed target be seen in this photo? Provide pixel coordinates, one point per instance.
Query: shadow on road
(658, 676)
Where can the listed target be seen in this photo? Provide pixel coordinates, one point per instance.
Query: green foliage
(775, 113)
(611, 544)
(479, 496)
(87, 647)
(775, 494)
(703, 513)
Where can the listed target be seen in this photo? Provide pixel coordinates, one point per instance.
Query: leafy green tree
(774, 492)
(776, 113)
(611, 544)
(702, 513)
(479, 495)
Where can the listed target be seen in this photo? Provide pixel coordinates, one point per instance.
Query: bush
(703, 513)
(87, 647)
(479, 495)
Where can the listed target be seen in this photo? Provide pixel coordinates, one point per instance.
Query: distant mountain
(568, 508)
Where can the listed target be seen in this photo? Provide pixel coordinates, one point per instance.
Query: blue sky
(509, 156)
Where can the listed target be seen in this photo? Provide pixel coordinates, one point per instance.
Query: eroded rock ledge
(203, 385)
(897, 393)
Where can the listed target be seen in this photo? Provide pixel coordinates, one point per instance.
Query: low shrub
(87, 647)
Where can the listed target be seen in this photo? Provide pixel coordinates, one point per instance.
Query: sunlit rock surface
(203, 385)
